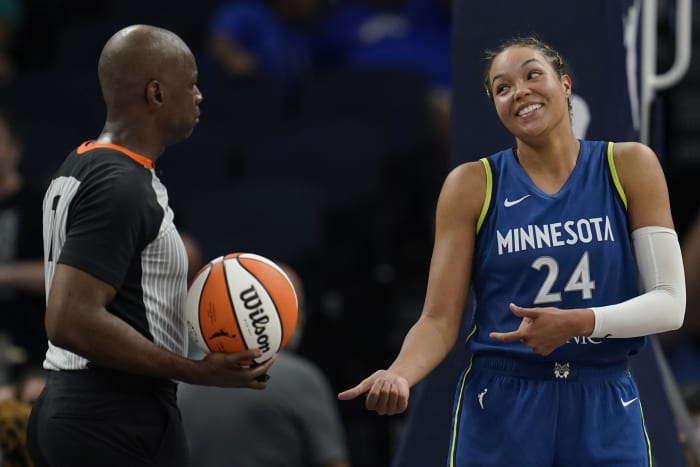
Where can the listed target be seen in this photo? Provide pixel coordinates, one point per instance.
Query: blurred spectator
(21, 250)
(15, 405)
(13, 438)
(29, 384)
(412, 35)
(16, 400)
(195, 260)
(268, 38)
(294, 422)
(403, 34)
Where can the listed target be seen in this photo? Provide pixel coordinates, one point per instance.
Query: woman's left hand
(547, 328)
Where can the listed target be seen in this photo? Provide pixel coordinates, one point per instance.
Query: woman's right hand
(387, 393)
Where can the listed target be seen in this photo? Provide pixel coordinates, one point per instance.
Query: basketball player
(553, 235)
(116, 273)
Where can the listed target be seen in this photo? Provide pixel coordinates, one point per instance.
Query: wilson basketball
(241, 301)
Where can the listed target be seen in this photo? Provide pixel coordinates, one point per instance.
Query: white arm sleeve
(662, 305)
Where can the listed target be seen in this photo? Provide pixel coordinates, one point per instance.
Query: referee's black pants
(95, 417)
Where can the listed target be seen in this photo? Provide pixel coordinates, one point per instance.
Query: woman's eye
(500, 88)
(534, 74)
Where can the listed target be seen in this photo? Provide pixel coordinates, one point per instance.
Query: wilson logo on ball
(241, 301)
(259, 319)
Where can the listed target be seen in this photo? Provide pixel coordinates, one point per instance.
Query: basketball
(241, 301)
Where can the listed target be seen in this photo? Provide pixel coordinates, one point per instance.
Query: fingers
(373, 400)
(245, 356)
(254, 375)
(528, 313)
(264, 378)
(258, 373)
(264, 366)
(358, 390)
(386, 396)
(349, 394)
(506, 337)
(234, 369)
(247, 359)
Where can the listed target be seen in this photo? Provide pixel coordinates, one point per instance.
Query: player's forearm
(662, 307)
(424, 347)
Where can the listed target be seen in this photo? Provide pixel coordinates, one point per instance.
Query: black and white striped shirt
(106, 213)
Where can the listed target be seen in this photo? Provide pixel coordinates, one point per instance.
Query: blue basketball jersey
(570, 249)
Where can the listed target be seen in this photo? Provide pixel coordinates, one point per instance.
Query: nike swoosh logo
(626, 403)
(507, 203)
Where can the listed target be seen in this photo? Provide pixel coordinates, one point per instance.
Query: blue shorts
(540, 414)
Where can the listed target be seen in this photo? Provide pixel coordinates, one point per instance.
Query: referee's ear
(154, 93)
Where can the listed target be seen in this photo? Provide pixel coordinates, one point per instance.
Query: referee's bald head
(134, 56)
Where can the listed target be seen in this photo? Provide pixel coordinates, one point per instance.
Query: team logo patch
(561, 370)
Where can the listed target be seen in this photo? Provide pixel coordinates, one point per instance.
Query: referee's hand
(235, 369)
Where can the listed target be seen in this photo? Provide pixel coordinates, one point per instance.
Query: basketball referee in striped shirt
(116, 274)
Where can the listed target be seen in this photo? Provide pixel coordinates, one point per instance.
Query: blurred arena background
(331, 151)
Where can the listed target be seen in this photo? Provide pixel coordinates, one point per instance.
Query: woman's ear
(566, 81)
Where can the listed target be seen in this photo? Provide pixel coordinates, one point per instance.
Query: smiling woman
(553, 236)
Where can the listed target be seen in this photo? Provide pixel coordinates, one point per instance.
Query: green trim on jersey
(613, 172)
(489, 193)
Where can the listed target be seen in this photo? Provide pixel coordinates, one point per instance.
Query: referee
(116, 270)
